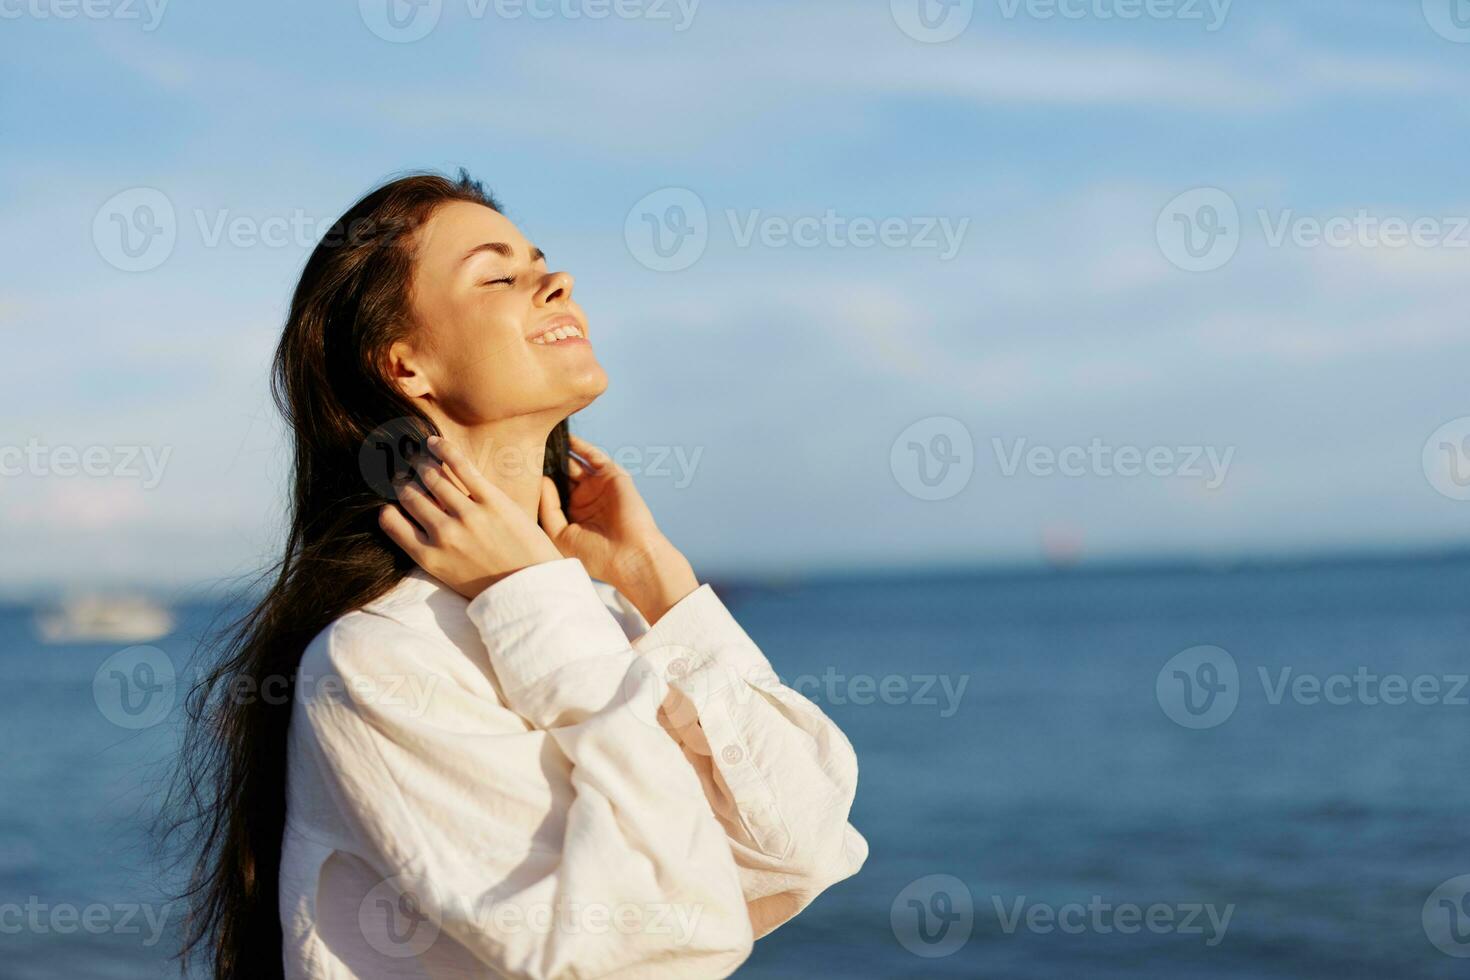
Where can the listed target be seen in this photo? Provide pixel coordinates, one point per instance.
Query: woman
(493, 726)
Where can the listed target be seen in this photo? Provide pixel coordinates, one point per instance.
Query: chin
(587, 386)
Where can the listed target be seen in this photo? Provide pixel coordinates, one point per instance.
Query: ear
(405, 370)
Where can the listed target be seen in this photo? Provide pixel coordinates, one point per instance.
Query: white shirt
(535, 784)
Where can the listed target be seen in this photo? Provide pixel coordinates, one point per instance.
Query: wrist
(655, 578)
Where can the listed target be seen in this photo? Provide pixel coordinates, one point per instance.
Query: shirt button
(678, 667)
(731, 754)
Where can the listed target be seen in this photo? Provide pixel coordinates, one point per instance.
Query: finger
(421, 507)
(575, 469)
(553, 521)
(463, 467)
(404, 532)
(438, 483)
(452, 476)
(593, 455)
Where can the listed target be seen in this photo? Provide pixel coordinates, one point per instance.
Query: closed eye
(508, 280)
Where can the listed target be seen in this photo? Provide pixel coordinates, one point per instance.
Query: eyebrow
(500, 248)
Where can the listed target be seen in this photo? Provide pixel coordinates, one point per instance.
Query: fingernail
(434, 440)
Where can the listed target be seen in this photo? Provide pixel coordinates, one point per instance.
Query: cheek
(497, 372)
(491, 345)
(480, 366)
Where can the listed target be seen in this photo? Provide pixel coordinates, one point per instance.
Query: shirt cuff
(538, 620)
(699, 632)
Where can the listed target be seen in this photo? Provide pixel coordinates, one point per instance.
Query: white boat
(104, 619)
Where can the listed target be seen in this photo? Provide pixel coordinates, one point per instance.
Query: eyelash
(508, 280)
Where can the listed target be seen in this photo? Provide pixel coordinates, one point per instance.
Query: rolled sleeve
(555, 648)
(780, 775)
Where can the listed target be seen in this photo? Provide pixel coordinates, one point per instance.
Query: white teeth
(560, 333)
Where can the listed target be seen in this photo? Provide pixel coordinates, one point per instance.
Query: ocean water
(1032, 805)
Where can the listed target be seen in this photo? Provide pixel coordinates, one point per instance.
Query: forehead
(459, 226)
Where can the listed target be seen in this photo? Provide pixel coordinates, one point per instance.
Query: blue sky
(1052, 146)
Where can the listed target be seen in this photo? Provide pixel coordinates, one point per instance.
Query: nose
(555, 288)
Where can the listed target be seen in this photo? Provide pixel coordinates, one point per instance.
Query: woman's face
(497, 334)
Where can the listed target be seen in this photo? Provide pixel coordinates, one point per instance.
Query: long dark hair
(330, 382)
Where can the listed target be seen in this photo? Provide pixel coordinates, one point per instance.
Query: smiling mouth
(564, 330)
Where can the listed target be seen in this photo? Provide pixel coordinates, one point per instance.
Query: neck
(509, 452)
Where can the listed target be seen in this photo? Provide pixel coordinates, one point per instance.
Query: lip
(560, 320)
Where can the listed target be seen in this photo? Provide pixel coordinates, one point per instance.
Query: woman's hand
(468, 541)
(612, 532)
